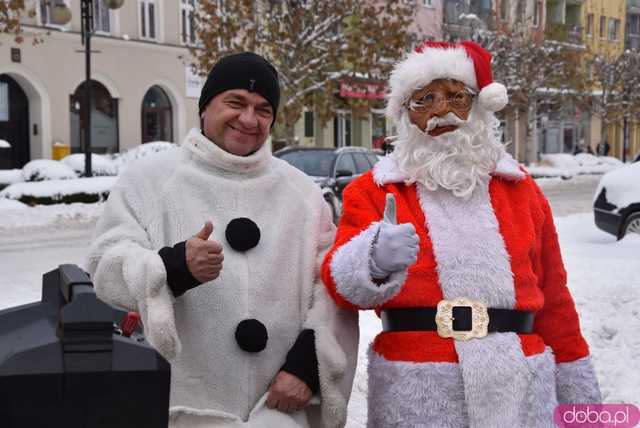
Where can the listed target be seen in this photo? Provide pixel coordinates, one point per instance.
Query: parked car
(332, 169)
(617, 204)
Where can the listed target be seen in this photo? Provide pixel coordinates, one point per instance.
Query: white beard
(458, 160)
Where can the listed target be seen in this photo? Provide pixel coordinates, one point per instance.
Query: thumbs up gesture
(396, 246)
(204, 257)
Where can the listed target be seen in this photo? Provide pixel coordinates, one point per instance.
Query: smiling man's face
(238, 121)
(440, 89)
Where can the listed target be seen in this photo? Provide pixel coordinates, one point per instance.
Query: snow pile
(121, 160)
(4, 144)
(57, 189)
(10, 204)
(47, 169)
(567, 166)
(623, 185)
(10, 176)
(100, 165)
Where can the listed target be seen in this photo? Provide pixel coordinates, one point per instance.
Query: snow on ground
(20, 223)
(604, 278)
(10, 204)
(566, 165)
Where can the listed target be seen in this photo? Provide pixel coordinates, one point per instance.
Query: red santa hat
(467, 62)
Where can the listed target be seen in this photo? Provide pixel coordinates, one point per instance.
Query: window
(614, 25)
(373, 159)
(156, 116)
(427, 3)
(603, 26)
(362, 164)
(308, 124)
(536, 14)
(520, 8)
(504, 9)
(148, 19)
(188, 21)
(634, 24)
(590, 24)
(101, 16)
(345, 163)
(46, 6)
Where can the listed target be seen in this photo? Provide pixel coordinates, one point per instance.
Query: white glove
(396, 246)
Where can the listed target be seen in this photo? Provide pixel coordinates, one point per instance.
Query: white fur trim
(577, 382)
(472, 260)
(387, 170)
(261, 416)
(509, 169)
(497, 375)
(155, 301)
(352, 275)
(419, 69)
(493, 97)
(336, 342)
(424, 395)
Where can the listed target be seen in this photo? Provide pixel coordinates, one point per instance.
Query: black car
(332, 169)
(617, 205)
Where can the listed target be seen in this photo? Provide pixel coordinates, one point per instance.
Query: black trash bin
(65, 363)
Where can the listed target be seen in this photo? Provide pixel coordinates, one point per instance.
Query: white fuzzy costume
(166, 199)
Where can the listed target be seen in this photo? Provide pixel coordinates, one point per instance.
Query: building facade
(143, 87)
(604, 22)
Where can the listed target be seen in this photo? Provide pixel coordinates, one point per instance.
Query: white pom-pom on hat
(493, 97)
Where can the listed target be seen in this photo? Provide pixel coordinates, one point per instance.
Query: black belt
(424, 319)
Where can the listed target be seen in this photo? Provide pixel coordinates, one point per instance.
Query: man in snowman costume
(454, 245)
(218, 245)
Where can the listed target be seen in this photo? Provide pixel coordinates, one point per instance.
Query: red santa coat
(500, 247)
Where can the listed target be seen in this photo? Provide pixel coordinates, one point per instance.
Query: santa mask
(461, 159)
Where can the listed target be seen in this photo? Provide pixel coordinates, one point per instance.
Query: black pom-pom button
(242, 234)
(251, 335)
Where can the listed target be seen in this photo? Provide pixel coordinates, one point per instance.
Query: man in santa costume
(455, 247)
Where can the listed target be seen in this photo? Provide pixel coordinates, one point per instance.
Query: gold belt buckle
(479, 319)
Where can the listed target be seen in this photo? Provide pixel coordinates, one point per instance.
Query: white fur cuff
(147, 276)
(352, 275)
(576, 382)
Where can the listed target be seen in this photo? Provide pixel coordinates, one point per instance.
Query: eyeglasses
(433, 100)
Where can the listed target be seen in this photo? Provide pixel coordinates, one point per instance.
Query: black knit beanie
(244, 70)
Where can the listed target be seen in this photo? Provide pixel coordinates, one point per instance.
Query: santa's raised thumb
(390, 209)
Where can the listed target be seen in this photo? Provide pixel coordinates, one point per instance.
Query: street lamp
(61, 15)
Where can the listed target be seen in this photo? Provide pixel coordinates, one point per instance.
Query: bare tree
(314, 44)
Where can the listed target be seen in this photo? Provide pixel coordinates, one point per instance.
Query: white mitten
(396, 246)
